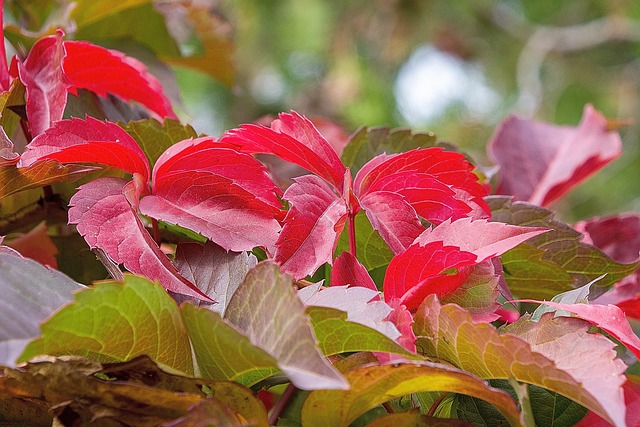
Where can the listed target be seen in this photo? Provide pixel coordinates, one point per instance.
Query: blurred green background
(456, 68)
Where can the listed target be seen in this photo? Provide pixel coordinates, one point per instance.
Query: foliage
(369, 289)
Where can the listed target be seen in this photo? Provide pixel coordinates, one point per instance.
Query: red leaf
(632, 401)
(45, 82)
(311, 228)
(448, 167)
(540, 162)
(480, 237)
(607, 317)
(37, 245)
(107, 221)
(347, 270)
(292, 138)
(618, 235)
(105, 71)
(88, 141)
(421, 270)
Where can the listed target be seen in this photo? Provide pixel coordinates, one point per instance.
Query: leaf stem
(436, 403)
(156, 231)
(388, 408)
(282, 403)
(352, 234)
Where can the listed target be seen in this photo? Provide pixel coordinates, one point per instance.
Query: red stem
(156, 231)
(4, 69)
(282, 403)
(435, 404)
(352, 234)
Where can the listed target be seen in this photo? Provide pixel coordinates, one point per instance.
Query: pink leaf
(632, 401)
(540, 162)
(607, 317)
(45, 82)
(392, 217)
(618, 235)
(480, 237)
(37, 245)
(292, 138)
(347, 270)
(311, 228)
(421, 271)
(88, 141)
(107, 221)
(105, 71)
(448, 167)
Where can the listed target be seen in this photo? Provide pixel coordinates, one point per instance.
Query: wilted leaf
(540, 162)
(210, 412)
(155, 137)
(449, 333)
(115, 322)
(88, 141)
(213, 270)
(267, 310)
(105, 71)
(107, 221)
(338, 335)
(562, 246)
(368, 143)
(311, 227)
(45, 82)
(374, 385)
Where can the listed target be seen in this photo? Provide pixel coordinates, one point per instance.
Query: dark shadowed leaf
(114, 322)
(449, 332)
(416, 419)
(267, 310)
(374, 385)
(540, 162)
(561, 246)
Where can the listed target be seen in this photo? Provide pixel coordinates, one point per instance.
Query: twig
(281, 404)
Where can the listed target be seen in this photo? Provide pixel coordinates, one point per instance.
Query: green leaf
(114, 322)
(562, 246)
(374, 385)
(415, 419)
(224, 353)
(372, 251)
(367, 143)
(266, 309)
(155, 137)
(448, 332)
(337, 335)
(123, 22)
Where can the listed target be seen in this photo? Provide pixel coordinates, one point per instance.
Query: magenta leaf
(107, 221)
(347, 270)
(540, 162)
(311, 228)
(88, 141)
(292, 138)
(480, 237)
(631, 399)
(422, 270)
(45, 83)
(104, 71)
(618, 235)
(609, 318)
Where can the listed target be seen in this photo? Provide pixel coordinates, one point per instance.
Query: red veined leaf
(88, 141)
(607, 317)
(14, 179)
(540, 162)
(45, 82)
(422, 270)
(448, 167)
(105, 71)
(215, 207)
(631, 399)
(295, 139)
(311, 228)
(392, 217)
(204, 154)
(480, 237)
(347, 270)
(107, 221)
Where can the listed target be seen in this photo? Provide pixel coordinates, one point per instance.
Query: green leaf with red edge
(563, 249)
(367, 143)
(88, 141)
(117, 321)
(155, 137)
(14, 179)
(45, 82)
(448, 332)
(374, 385)
(266, 309)
(103, 71)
